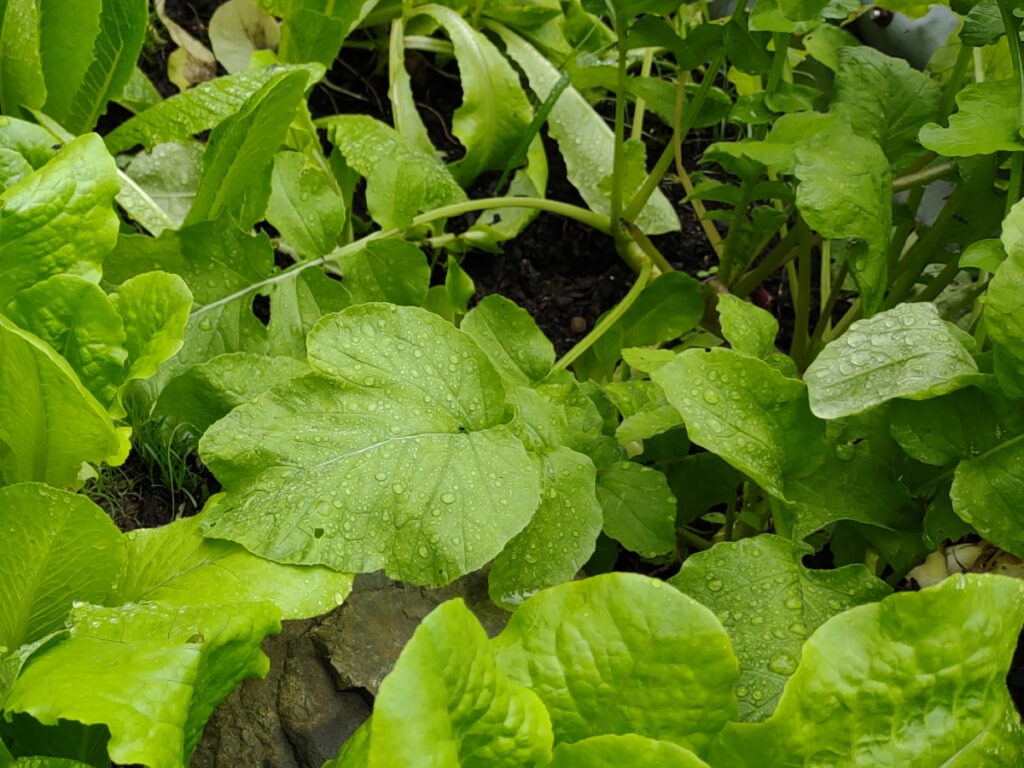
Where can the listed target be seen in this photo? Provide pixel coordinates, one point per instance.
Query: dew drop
(448, 498)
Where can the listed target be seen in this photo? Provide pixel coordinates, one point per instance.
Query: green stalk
(779, 61)
(575, 212)
(618, 156)
(780, 255)
(1014, 186)
(802, 306)
(924, 176)
(963, 61)
(824, 324)
(938, 283)
(606, 322)
(641, 105)
(1011, 26)
(639, 200)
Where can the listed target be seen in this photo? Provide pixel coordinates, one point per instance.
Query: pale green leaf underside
(907, 351)
(176, 565)
(447, 703)
(394, 456)
(151, 673)
(622, 653)
(769, 603)
(905, 681)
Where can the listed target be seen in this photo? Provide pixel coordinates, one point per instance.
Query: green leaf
(458, 287)
(155, 308)
(861, 487)
(510, 338)
(57, 548)
(747, 412)
(751, 330)
(169, 175)
(584, 139)
(239, 28)
(987, 120)
(1004, 303)
(448, 703)
(395, 456)
(239, 157)
(46, 762)
(391, 269)
(60, 219)
(631, 749)
(907, 351)
(845, 191)
(885, 100)
(639, 509)
(702, 481)
(174, 565)
(42, 403)
(314, 30)
(588, 646)
(304, 205)
(151, 673)
(77, 96)
(988, 492)
(769, 603)
(22, 85)
(904, 681)
(946, 429)
(208, 391)
(494, 112)
(560, 537)
(77, 318)
(198, 109)
(401, 179)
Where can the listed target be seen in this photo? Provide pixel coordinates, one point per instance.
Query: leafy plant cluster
(265, 295)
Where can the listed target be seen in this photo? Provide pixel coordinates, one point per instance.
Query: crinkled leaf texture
(620, 654)
(42, 568)
(614, 751)
(769, 602)
(916, 679)
(907, 351)
(395, 454)
(1004, 308)
(448, 703)
(176, 565)
(151, 673)
(987, 120)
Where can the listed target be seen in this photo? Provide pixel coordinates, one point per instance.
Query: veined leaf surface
(395, 455)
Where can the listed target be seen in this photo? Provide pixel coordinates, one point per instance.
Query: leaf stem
(618, 155)
(608, 320)
(923, 176)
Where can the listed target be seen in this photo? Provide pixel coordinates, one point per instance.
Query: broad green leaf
(151, 673)
(588, 646)
(645, 411)
(845, 192)
(747, 412)
(448, 703)
(155, 308)
(639, 509)
(239, 157)
(510, 338)
(396, 455)
(983, 24)
(60, 219)
(175, 565)
(57, 548)
(560, 537)
(198, 109)
(401, 179)
(77, 96)
(1004, 304)
(239, 28)
(314, 30)
(861, 487)
(748, 329)
(208, 391)
(702, 481)
(584, 139)
(624, 11)
(169, 175)
(885, 100)
(49, 422)
(47, 762)
(904, 681)
(31, 142)
(907, 351)
(987, 120)
(769, 603)
(459, 287)
(22, 85)
(391, 269)
(988, 492)
(494, 112)
(802, 10)
(80, 322)
(612, 751)
(943, 430)
(304, 206)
